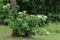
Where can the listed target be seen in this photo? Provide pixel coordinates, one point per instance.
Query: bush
(25, 25)
(4, 11)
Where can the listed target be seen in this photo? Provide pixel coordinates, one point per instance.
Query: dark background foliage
(51, 8)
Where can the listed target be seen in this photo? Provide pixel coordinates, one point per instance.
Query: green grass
(54, 29)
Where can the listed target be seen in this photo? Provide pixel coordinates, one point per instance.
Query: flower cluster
(6, 6)
(41, 16)
(22, 12)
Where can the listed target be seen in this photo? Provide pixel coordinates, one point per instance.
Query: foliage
(5, 33)
(54, 17)
(25, 25)
(4, 11)
(45, 7)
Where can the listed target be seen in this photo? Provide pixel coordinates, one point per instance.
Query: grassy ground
(54, 29)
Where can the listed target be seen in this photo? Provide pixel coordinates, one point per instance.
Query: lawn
(54, 29)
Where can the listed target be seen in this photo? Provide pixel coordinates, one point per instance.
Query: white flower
(8, 4)
(45, 17)
(24, 12)
(19, 12)
(39, 16)
(4, 6)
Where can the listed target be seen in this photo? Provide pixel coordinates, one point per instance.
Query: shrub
(4, 11)
(25, 25)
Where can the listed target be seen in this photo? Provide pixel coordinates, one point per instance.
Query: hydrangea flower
(4, 6)
(24, 12)
(8, 4)
(19, 12)
(39, 16)
(45, 17)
